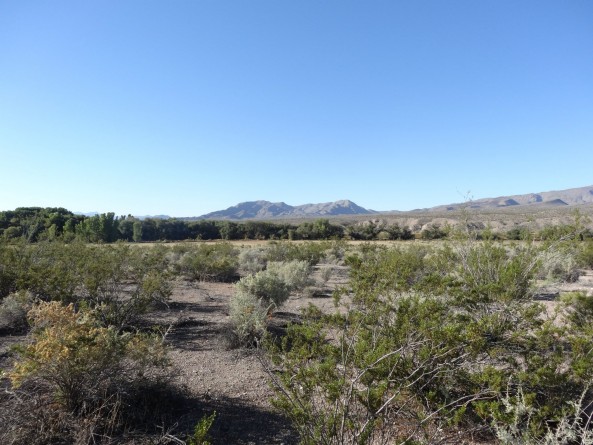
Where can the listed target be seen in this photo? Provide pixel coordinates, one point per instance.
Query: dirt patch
(232, 382)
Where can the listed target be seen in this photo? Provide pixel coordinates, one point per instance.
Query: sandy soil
(233, 382)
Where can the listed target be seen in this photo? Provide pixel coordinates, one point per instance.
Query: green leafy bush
(426, 345)
(585, 254)
(210, 262)
(312, 252)
(120, 281)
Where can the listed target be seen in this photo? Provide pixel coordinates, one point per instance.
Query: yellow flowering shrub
(81, 361)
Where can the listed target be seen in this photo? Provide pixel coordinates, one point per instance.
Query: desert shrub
(252, 260)
(296, 274)
(13, 312)
(210, 262)
(8, 271)
(433, 231)
(266, 286)
(372, 376)
(325, 274)
(121, 281)
(557, 232)
(312, 252)
(579, 308)
(559, 265)
(96, 380)
(52, 270)
(585, 254)
(488, 272)
(257, 295)
(432, 343)
(248, 316)
(336, 252)
(572, 427)
(518, 234)
(378, 269)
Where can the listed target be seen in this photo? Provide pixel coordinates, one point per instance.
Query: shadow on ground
(240, 423)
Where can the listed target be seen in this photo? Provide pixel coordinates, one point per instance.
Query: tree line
(36, 223)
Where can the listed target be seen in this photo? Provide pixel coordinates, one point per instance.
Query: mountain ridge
(272, 210)
(566, 197)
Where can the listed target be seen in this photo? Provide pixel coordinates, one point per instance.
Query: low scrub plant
(311, 251)
(559, 266)
(210, 262)
(13, 312)
(118, 280)
(94, 378)
(200, 435)
(585, 254)
(248, 315)
(424, 347)
(574, 426)
(258, 295)
(266, 286)
(296, 274)
(252, 260)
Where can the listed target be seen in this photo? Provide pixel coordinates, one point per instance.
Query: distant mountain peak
(273, 210)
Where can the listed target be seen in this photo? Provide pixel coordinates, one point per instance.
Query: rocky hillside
(271, 210)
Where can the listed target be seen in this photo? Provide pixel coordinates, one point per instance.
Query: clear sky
(186, 107)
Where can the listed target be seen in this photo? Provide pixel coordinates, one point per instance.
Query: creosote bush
(210, 262)
(311, 252)
(118, 280)
(436, 345)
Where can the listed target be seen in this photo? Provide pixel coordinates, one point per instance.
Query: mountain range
(263, 210)
(568, 197)
(270, 210)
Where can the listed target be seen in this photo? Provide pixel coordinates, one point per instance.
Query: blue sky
(186, 107)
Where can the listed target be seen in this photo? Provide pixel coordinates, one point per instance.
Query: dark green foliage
(518, 233)
(33, 223)
(585, 254)
(554, 233)
(433, 231)
(428, 343)
(320, 229)
(286, 251)
(371, 231)
(119, 281)
(210, 262)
